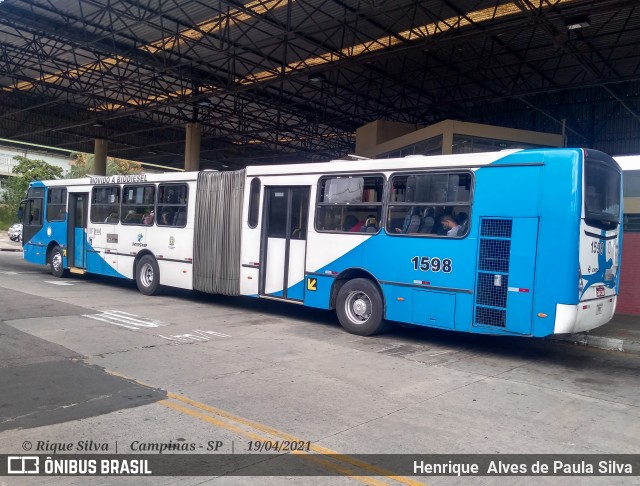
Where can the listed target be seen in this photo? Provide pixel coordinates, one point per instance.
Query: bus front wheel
(148, 275)
(360, 308)
(57, 263)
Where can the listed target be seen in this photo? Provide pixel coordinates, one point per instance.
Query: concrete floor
(86, 358)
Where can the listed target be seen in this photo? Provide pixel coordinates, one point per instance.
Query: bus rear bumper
(585, 316)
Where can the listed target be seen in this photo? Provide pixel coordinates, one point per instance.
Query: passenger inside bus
(450, 225)
(131, 217)
(352, 223)
(148, 218)
(164, 218)
(370, 224)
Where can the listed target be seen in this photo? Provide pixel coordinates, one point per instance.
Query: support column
(192, 147)
(447, 140)
(100, 157)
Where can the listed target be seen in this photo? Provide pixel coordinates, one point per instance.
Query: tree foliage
(83, 166)
(26, 171)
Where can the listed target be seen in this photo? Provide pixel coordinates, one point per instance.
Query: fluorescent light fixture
(574, 23)
(317, 78)
(97, 124)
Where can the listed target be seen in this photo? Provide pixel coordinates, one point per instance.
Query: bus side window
(105, 204)
(57, 204)
(420, 203)
(35, 212)
(349, 204)
(172, 205)
(254, 203)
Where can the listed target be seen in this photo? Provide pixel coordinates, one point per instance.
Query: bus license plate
(599, 291)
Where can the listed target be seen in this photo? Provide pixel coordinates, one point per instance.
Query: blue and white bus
(520, 242)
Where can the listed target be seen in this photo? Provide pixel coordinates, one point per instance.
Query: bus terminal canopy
(273, 81)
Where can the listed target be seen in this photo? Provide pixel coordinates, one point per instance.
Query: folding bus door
(284, 242)
(77, 230)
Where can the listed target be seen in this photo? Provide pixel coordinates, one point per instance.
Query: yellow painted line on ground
(344, 471)
(378, 471)
(375, 470)
(250, 435)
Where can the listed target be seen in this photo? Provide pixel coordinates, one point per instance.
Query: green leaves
(83, 165)
(26, 171)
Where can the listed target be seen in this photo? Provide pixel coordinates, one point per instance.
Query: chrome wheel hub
(358, 307)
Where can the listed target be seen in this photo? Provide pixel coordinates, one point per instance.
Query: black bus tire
(56, 262)
(360, 307)
(148, 275)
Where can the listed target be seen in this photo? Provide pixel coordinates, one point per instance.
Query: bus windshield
(602, 195)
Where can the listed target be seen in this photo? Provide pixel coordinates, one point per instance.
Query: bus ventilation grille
(493, 272)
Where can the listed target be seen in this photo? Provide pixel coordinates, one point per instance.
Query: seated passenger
(450, 225)
(370, 224)
(131, 217)
(349, 222)
(165, 218)
(148, 218)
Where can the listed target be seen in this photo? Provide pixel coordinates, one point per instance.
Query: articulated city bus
(520, 242)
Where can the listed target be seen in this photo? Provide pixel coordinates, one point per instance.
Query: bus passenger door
(284, 242)
(77, 230)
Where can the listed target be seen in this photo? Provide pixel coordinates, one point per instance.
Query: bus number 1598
(434, 264)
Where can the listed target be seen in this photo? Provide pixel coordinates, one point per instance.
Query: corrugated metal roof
(274, 70)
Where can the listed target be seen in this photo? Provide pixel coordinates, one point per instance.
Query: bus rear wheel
(360, 308)
(57, 263)
(148, 275)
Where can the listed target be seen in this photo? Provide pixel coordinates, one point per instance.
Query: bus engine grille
(493, 272)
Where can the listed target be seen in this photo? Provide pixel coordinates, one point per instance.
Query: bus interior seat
(180, 218)
(414, 223)
(427, 224)
(464, 227)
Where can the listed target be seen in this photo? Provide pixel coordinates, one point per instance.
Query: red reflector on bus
(525, 291)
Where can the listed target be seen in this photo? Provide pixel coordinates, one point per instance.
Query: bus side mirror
(20, 213)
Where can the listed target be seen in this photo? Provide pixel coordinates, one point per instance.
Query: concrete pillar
(447, 140)
(192, 147)
(100, 157)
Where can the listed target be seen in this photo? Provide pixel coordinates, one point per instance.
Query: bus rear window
(601, 195)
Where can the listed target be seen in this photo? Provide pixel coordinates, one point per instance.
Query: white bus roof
(628, 162)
